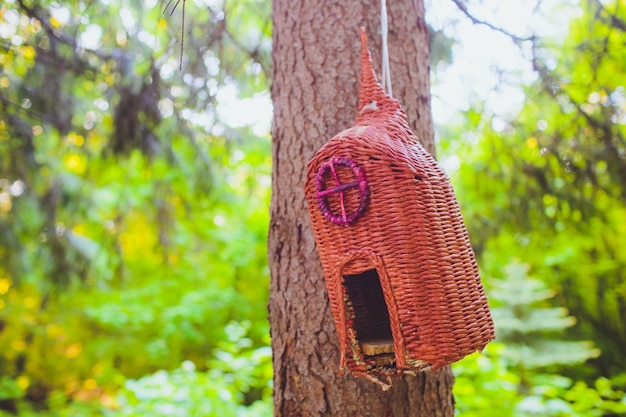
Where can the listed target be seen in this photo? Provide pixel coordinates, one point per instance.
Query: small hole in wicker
(371, 317)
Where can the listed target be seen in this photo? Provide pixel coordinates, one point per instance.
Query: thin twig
(182, 41)
(61, 37)
(515, 38)
(173, 8)
(615, 21)
(29, 112)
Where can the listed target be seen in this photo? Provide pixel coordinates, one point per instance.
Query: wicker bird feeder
(402, 279)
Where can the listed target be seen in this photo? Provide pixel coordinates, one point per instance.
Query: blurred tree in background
(133, 215)
(547, 188)
(133, 205)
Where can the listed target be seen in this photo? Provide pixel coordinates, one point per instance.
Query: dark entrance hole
(371, 317)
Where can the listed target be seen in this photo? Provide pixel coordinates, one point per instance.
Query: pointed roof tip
(367, 69)
(363, 38)
(370, 87)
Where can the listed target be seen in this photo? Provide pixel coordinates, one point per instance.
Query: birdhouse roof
(375, 143)
(381, 130)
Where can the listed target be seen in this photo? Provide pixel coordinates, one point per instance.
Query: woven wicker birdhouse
(402, 279)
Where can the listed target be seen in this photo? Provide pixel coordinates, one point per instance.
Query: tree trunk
(315, 95)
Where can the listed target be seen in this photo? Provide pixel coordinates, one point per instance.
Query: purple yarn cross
(321, 194)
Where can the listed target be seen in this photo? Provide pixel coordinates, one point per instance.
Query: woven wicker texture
(402, 279)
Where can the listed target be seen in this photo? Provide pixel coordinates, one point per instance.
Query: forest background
(134, 211)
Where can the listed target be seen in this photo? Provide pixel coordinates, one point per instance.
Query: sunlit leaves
(546, 189)
(132, 219)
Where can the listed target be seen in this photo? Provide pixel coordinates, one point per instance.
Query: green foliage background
(134, 210)
(133, 222)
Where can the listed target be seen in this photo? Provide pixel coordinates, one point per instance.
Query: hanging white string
(386, 76)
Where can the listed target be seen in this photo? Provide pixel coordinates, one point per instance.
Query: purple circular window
(359, 184)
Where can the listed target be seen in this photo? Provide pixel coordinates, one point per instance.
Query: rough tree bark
(315, 95)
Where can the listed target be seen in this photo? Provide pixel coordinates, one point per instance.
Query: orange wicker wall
(411, 231)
